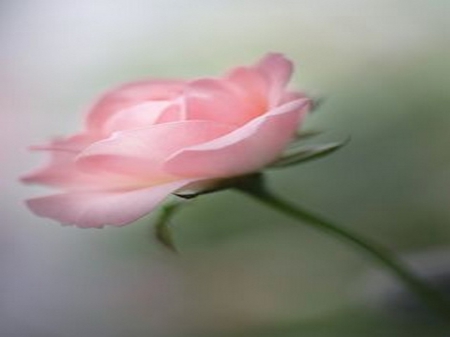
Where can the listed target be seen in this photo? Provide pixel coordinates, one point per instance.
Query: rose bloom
(145, 140)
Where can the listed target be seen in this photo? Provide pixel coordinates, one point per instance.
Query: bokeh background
(383, 67)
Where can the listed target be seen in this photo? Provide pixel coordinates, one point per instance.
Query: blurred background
(383, 67)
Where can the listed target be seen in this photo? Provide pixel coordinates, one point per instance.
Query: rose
(148, 139)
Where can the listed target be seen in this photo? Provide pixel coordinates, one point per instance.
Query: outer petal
(141, 152)
(129, 95)
(243, 151)
(61, 171)
(98, 209)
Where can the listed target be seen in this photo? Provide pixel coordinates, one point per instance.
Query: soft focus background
(383, 67)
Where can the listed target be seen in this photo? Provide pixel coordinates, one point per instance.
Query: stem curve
(254, 187)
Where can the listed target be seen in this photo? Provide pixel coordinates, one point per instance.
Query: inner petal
(219, 101)
(252, 87)
(130, 95)
(143, 115)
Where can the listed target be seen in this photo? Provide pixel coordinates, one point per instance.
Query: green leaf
(302, 136)
(161, 227)
(306, 135)
(308, 153)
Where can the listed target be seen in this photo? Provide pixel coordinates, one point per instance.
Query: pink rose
(148, 139)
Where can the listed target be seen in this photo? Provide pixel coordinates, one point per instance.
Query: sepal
(298, 155)
(161, 230)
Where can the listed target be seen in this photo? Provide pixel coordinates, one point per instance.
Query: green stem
(254, 187)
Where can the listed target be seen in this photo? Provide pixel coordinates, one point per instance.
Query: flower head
(148, 139)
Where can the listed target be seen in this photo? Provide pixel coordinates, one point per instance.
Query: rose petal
(142, 115)
(264, 84)
(278, 70)
(98, 209)
(243, 151)
(217, 100)
(61, 171)
(141, 152)
(129, 95)
(252, 87)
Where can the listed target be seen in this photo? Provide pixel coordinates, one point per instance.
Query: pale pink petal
(98, 209)
(175, 113)
(252, 86)
(263, 84)
(278, 70)
(129, 95)
(245, 150)
(141, 152)
(61, 171)
(217, 100)
(72, 144)
(141, 115)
